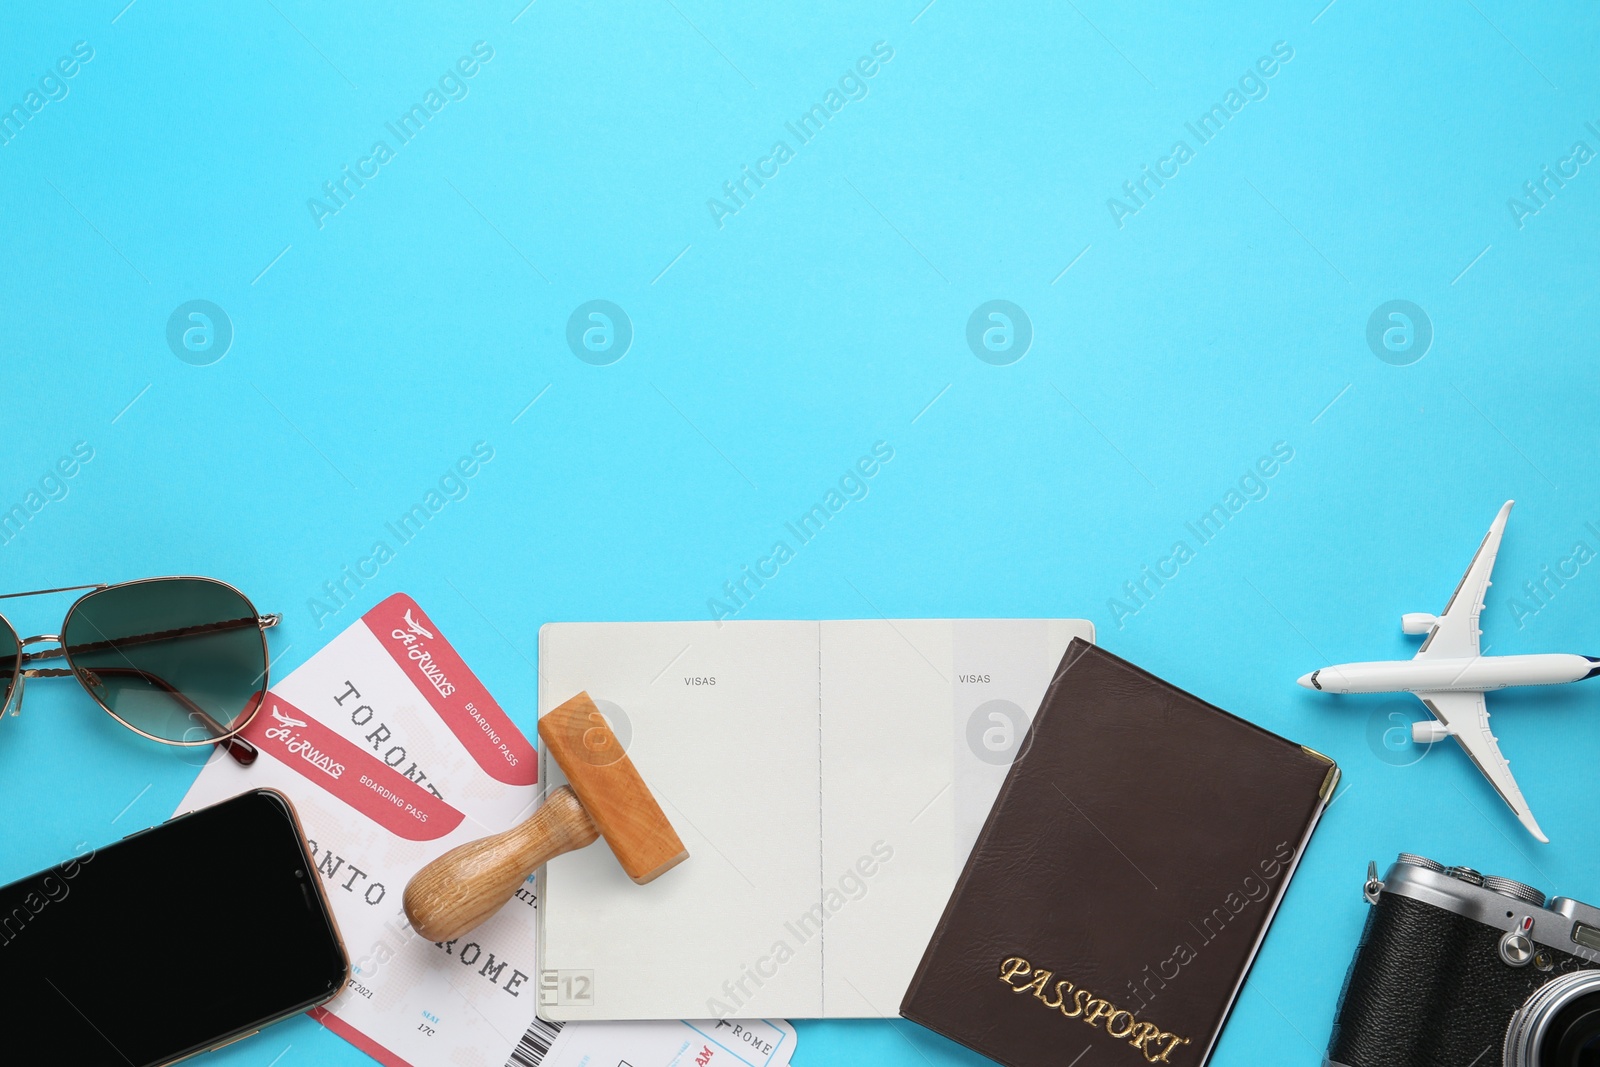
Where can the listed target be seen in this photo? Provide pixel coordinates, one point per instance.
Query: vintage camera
(1455, 968)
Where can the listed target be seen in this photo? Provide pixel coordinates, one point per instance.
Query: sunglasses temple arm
(242, 751)
(259, 622)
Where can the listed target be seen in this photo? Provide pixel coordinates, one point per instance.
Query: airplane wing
(1455, 634)
(1465, 714)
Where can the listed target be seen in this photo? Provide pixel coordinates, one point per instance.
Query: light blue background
(1228, 314)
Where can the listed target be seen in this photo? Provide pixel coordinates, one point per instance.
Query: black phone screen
(170, 941)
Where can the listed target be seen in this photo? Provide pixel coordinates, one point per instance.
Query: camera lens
(1580, 1045)
(1558, 1026)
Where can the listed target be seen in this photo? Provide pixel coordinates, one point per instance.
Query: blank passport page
(828, 780)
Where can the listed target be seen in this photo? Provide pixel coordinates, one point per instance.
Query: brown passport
(1125, 878)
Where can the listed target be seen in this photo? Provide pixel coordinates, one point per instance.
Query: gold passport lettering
(1152, 1042)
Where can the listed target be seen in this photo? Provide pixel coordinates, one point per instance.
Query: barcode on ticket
(535, 1044)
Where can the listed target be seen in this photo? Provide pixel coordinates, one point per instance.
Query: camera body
(1456, 968)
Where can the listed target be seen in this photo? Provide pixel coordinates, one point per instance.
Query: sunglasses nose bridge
(26, 672)
(44, 653)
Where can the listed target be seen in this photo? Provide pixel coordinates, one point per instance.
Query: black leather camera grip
(1427, 988)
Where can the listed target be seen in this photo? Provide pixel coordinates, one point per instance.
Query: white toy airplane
(1450, 677)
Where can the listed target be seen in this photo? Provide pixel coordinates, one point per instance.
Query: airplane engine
(1417, 622)
(1428, 731)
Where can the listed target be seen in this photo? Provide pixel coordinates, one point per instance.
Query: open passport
(827, 778)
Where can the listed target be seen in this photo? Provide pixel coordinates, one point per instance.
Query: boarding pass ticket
(393, 752)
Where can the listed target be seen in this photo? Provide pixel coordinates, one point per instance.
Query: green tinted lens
(181, 659)
(10, 655)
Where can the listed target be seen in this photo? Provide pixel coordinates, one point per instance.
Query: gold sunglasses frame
(237, 747)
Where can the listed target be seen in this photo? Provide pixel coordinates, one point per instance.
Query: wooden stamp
(606, 798)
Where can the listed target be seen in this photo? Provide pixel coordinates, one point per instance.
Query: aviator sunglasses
(182, 661)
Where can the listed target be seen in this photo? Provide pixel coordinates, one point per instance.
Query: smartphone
(175, 940)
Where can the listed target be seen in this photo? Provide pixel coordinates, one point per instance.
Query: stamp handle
(471, 882)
